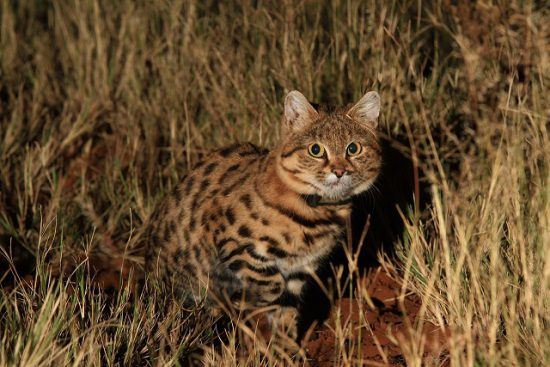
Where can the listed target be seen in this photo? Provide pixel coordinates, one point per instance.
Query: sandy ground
(381, 332)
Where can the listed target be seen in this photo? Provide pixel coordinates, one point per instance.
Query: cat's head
(333, 155)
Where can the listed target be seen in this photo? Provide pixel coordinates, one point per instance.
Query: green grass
(105, 105)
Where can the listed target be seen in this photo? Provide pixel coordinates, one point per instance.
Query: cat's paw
(284, 322)
(284, 331)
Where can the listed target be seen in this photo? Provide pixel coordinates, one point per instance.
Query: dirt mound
(377, 334)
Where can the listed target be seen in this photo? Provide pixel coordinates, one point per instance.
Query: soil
(381, 333)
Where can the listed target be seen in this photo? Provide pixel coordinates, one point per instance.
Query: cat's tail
(110, 264)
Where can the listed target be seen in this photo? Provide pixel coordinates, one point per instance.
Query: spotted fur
(239, 226)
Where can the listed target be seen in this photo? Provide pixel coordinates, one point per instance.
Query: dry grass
(104, 105)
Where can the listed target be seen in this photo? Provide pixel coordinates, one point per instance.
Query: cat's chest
(309, 256)
(300, 247)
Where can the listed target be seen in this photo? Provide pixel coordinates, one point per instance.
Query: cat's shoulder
(235, 156)
(233, 152)
(241, 150)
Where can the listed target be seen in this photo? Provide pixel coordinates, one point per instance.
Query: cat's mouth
(337, 188)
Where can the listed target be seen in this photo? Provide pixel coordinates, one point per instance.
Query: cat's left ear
(298, 111)
(367, 110)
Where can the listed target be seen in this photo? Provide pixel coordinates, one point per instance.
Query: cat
(249, 227)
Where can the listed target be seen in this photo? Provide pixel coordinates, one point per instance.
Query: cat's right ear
(298, 111)
(367, 110)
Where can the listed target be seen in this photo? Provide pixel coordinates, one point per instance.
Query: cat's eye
(316, 150)
(353, 149)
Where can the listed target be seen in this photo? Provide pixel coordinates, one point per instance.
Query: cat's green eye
(353, 149)
(316, 150)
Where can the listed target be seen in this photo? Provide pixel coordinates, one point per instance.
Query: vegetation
(104, 105)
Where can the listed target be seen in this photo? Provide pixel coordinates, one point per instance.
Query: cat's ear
(367, 110)
(298, 111)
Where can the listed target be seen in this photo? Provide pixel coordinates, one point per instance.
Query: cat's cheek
(364, 187)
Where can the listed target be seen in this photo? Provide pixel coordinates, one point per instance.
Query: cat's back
(198, 205)
(219, 175)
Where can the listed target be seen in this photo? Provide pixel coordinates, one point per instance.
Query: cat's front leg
(285, 318)
(284, 323)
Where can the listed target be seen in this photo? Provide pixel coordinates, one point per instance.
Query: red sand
(383, 331)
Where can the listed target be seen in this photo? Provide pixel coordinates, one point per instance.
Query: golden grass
(104, 105)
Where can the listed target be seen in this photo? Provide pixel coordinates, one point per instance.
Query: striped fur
(239, 226)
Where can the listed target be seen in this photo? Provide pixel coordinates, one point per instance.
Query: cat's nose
(339, 172)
